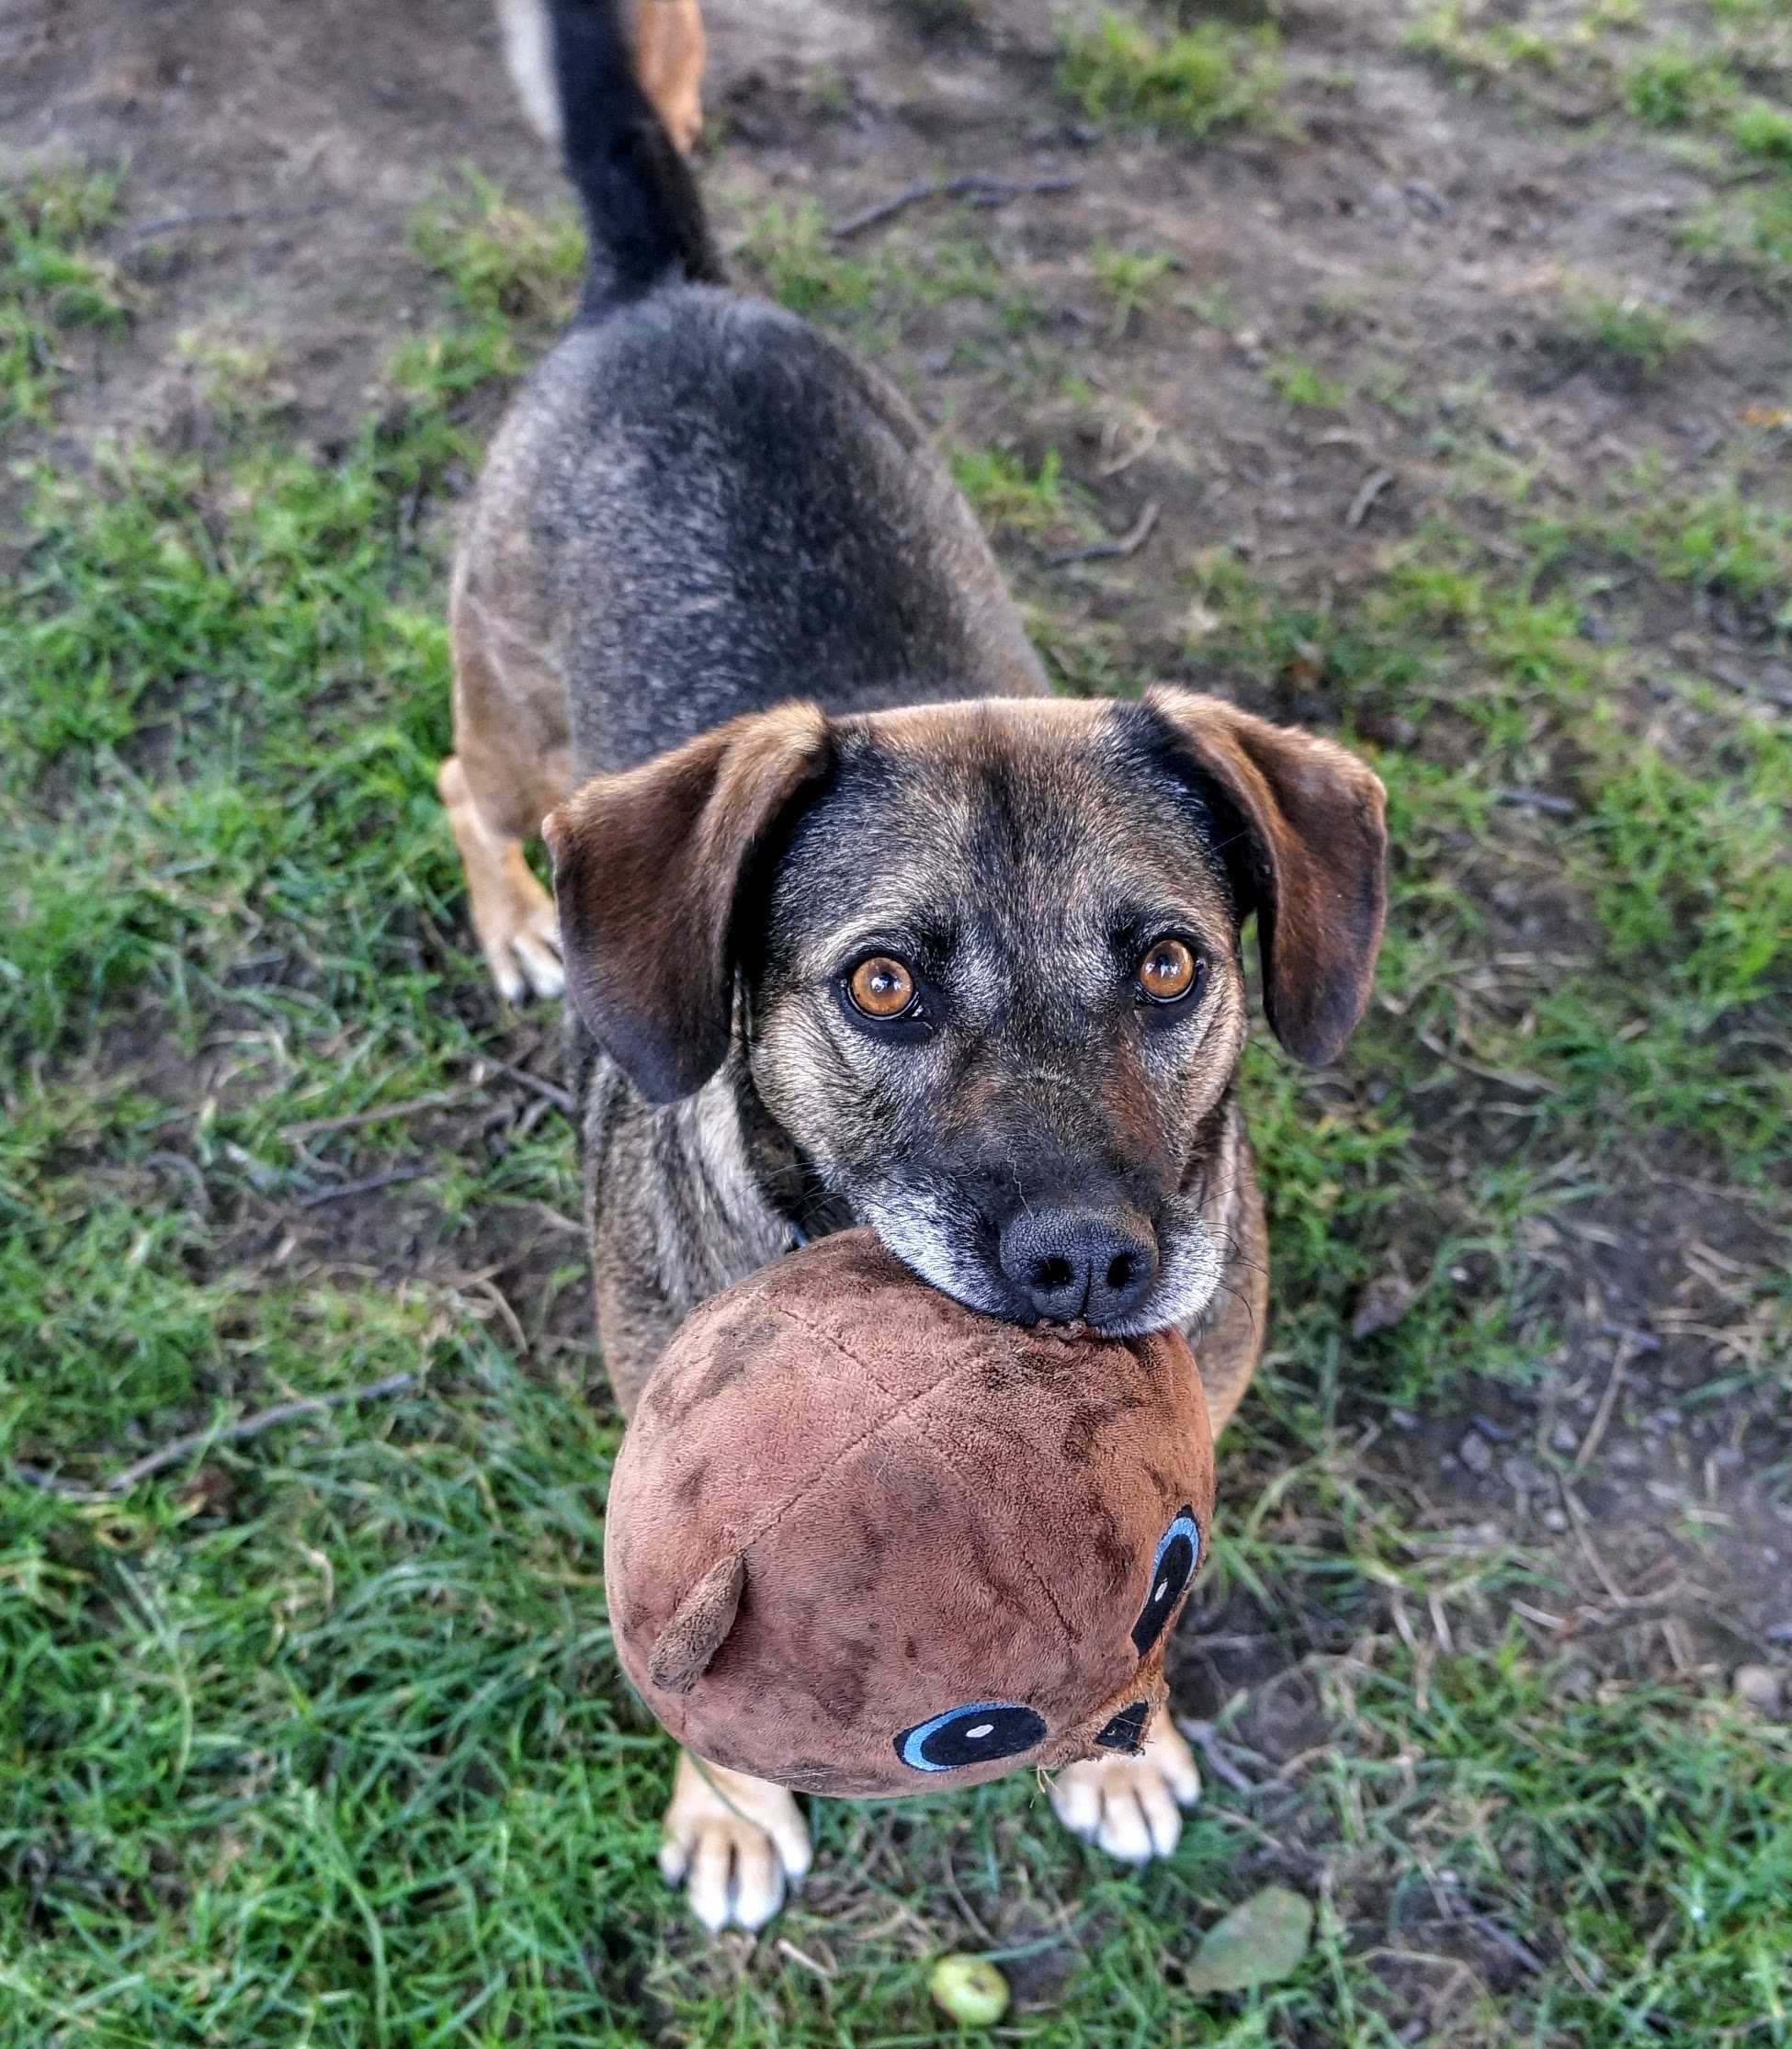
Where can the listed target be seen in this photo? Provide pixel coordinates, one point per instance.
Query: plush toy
(864, 1541)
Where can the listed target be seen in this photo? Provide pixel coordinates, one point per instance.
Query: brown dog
(859, 924)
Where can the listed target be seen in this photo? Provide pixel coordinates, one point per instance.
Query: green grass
(1472, 52)
(1303, 385)
(316, 1738)
(1131, 280)
(512, 276)
(1675, 86)
(52, 282)
(1748, 229)
(1620, 329)
(789, 248)
(1762, 129)
(1679, 899)
(1005, 494)
(1187, 83)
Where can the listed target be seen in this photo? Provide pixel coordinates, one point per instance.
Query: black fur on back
(643, 212)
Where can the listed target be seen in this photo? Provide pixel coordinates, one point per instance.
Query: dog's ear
(648, 868)
(1306, 845)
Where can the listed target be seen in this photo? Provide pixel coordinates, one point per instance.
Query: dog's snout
(1067, 1264)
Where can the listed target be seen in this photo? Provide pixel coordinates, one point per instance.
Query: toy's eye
(1178, 1551)
(970, 1736)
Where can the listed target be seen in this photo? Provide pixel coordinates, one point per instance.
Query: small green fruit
(970, 1990)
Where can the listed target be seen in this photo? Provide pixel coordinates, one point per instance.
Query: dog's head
(987, 957)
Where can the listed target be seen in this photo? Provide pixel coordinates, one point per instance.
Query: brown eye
(881, 987)
(1168, 971)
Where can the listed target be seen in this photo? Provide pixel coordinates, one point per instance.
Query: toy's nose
(1068, 1264)
(1119, 1723)
(1126, 1730)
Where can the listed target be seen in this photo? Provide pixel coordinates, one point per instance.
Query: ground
(1415, 372)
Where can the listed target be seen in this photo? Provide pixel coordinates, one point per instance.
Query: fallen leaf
(1260, 1943)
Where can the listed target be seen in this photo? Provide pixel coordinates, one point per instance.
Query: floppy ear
(647, 871)
(697, 1631)
(1306, 846)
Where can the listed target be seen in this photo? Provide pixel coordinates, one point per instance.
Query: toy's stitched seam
(1043, 1586)
(840, 1345)
(1038, 1578)
(814, 1479)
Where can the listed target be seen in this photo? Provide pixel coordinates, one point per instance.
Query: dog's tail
(575, 66)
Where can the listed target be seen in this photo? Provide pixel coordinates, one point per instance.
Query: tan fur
(669, 51)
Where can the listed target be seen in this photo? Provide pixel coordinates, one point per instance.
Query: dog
(858, 921)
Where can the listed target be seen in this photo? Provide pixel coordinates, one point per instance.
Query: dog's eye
(882, 988)
(1173, 1567)
(970, 1736)
(1168, 971)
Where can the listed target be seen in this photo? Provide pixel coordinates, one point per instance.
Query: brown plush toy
(863, 1541)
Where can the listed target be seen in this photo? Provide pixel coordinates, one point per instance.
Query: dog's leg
(736, 1843)
(673, 1215)
(668, 37)
(1131, 1807)
(513, 916)
(669, 48)
(510, 763)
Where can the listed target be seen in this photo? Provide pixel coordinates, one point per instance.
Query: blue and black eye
(970, 1736)
(1178, 1553)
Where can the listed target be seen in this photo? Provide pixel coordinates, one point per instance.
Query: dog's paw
(513, 916)
(520, 939)
(737, 1844)
(1132, 1807)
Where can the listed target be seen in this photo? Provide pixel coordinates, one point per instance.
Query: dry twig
(1126, 544)
(983, 188)
(198, 1439)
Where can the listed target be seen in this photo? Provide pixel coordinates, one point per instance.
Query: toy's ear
(648, 869)
(1306, 849)
(691, 1640)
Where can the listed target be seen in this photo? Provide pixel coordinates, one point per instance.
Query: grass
(1763, 130)
(1619, 330)
(1674, 87)
(1472, 53)
(1187, 84)
(1679, 898)
(789, 250)
(53, 283)
(317, 1738)
(1131, 280)
(1005, 494)
(788, 246)
(1708, 93)
(1302, 385)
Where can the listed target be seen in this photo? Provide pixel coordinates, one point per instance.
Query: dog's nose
(1068, 1263)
